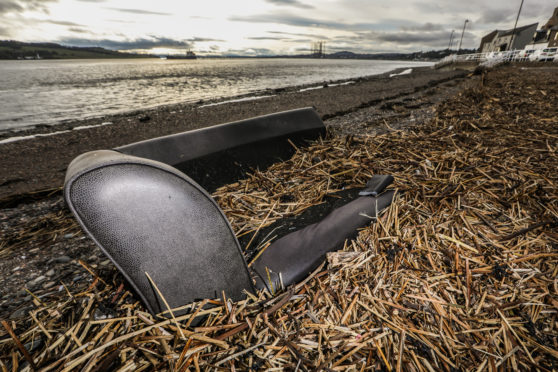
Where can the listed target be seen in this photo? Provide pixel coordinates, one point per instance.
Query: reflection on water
(51, 91)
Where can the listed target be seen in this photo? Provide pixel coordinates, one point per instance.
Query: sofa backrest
(221, 154)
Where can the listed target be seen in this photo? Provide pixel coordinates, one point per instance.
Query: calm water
(53, 91)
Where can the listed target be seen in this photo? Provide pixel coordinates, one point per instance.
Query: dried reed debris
(459, 274)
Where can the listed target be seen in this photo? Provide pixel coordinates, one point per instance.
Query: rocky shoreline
(38, 231)
(37, 164)
(470, 243)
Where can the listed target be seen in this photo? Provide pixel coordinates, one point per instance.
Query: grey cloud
(504, 16)
(5, 32)
(429, 7)
(266, 38)
(294, 3)
(313, 36)
(461, 9)
(202, 39)
(496, 15)
(542, 9)
(424, 27)
(63, 23)
(139, 11)
(438, 39)
(293, 20)
(19, 6)
(250, 52)
(156, 42)
(40, 5)
(142, 43)
(406, 40)
(259, 51)
(9, 7)
(78, 30)
(405, 37)
(408, 37)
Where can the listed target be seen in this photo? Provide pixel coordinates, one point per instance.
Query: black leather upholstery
(221, 154)
(149, 217)
(295, 255)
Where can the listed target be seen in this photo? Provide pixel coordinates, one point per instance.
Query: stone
(51, 272)
(39, 279)
(144, 118)
(99, 315)
(34, 345)
(19, 313)
(62, 259)
(49, 284)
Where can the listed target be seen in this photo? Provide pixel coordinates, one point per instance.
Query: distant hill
(10, 49)
(432, 55)
(425, 56)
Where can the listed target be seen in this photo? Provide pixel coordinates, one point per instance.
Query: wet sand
(37, 166)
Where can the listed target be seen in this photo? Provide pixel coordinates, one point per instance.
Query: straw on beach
(458, 274)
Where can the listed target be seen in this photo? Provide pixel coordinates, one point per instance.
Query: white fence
(491, 58)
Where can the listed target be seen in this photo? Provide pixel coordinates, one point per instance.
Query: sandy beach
(460, 273)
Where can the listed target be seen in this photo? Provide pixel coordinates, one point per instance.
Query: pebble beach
(460, 273)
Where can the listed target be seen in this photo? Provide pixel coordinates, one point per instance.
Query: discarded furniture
(221, 154)
(150, 218)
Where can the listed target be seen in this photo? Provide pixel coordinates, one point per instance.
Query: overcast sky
(259, 27)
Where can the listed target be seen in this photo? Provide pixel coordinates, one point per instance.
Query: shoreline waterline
(39, 163)
(67, 91)
(44, 130)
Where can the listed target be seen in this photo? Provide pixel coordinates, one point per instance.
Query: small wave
(23, 138)
(404, 72)
(326, 85)
(311, 88)
(236, 100)
(92, 126)
(338, 84)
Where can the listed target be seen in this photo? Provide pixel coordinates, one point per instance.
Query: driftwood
(459, 274)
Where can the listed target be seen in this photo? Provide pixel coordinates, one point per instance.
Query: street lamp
(462, 33)
(515, 26)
